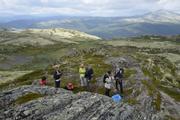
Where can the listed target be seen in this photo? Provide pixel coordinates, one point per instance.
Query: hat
(56, 66)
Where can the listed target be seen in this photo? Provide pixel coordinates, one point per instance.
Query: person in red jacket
(43, 81)
(69, 86)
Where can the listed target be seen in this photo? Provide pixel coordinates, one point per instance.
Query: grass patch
(167, 117)
(157, 102)
(26, 98)
(129, 72)
(79, 89)
(128, 91)
(150, 87)
(26, 79)
(174, 94)
(101, 90)
(154, 93)
(131, 101)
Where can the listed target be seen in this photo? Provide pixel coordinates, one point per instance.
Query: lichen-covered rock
(59, 104)
(7, 97)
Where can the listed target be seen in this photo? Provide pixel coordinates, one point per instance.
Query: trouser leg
(88, 84)
(117, 84)
(82, 81)
(121, 86)
(85, 81)
(107, 92)
(57, 84)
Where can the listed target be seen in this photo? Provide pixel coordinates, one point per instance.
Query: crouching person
(43, 81)
(108, 81)
(69, 86)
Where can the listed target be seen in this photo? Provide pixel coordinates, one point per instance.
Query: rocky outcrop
(147, 102)
(59, 104)
(153, 102)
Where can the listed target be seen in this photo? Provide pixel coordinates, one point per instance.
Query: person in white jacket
(108, 82)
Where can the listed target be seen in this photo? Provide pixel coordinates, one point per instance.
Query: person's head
(117, 69)
(89, 67)
(56, 67)
(82, 65)
(109, 72)
(44, 78)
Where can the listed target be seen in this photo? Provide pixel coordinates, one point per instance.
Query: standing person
(82, 71)
(108, 80)
(57, 76)
(89, 74)
(119, 77)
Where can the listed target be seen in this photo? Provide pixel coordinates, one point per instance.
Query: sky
(86, 7)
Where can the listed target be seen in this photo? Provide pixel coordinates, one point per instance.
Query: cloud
(86, 7)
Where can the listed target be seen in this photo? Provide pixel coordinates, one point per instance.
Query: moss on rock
(26, 98)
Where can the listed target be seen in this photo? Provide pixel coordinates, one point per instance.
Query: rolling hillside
(151, 78)
(43, 36)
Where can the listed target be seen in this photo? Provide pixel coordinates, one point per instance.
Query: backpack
(104, 78)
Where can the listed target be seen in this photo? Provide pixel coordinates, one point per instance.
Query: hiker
(108, 79)
(118, 78)
(89, 74)
(57, 76)
(82, 71)
(43, 81)
(69, 86)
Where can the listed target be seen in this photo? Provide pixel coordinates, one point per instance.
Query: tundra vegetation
(151, 66)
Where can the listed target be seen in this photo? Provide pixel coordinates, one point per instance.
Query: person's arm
(122, 74)
(115, 75)
(61, 73)
(92, 72)
(122, 70)
(54, 75)
(79, 70)
(112, 77)
(113, 83)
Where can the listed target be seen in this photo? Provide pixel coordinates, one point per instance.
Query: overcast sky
(85, 7)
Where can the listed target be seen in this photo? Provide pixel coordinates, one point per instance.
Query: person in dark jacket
(89, 74)
(57, 76)
(119, 77)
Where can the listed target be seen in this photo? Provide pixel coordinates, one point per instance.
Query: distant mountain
(159, 22)
(160, 16)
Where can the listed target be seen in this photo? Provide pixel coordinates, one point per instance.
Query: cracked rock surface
(59, 104)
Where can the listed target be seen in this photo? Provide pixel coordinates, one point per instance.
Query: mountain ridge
(159, 22)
